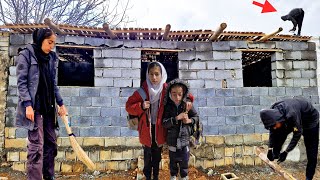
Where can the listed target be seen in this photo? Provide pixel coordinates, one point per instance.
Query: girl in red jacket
(151, 132)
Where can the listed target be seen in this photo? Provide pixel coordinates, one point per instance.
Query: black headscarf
(45, 93)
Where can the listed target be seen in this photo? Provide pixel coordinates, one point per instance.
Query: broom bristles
(82, 156)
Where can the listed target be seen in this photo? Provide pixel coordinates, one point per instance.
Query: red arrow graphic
(266, 7)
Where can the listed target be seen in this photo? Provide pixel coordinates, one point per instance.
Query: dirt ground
(263, 172)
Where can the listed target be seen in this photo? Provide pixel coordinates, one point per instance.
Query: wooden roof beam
(217, 33)
(267, 36)
(54, 27)
(109, 31)
(166, 32)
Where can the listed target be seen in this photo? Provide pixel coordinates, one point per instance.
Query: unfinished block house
(233, 75)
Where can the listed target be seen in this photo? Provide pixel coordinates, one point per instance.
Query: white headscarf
(155, 90)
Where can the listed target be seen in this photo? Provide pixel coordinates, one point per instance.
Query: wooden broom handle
(66, 122)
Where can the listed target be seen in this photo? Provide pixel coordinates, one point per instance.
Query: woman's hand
(30, 113)
(145, 105)
(62, 111)
(189, 106)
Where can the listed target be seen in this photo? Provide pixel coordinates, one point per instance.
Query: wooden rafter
(52, 26)
(109, 31)
(219, 30)
(267, 36)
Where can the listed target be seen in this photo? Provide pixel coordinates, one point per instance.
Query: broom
(76, 147)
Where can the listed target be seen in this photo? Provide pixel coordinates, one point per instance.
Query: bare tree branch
(74, 12)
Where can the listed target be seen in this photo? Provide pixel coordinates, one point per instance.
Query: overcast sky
(240, 15)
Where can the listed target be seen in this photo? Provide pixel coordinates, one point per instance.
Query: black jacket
(178, 133)
(297, 115)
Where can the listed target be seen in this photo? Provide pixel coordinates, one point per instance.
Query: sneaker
(185, 178)
(173, 178)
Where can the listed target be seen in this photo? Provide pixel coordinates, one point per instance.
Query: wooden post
(263, 156)
(267, 36)
(54, 27)
(109, 31)
(166, 32)
(219, 30)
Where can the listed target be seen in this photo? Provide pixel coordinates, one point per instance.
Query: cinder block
(229, 129)
(74, 39)
(16, 39)
(293, 55)
(226, 111)
(13, 49)
(215, 64)
(207, 111)
(126, 92)
(130, 73)
(151, 43)
(122, 63)
(250, 100)
(112, 73)
(215, 101)
(245, 129)
(243, 91)
(215, 120)
(101, 121)
(234, 83)
(277, 56)
(90, 111)
(203, 46)
(193, 65)
(236, 55)
(169, 44)
(234, 140)
(133, 54)
(136, 64)
(94, 41)
(256, 91)
(187, 55)
(66, 167)
(308, 74)
(229, 176)
(300, 64)
(287, 65)
(312, 46)
(103, 63)
(97, 53)
(113, 43)
(224, 92)
(267, 45)
(98, 72)
(110, 92)
(204, 55)
(112, 165)
(243, 110)
(112, 53)
(12, 71)
(120, 82)
(253, 45)
(13, 156)
(110, 131)
(210, 130)
(126, 132)
(265, 100)
(219, 162)
(234, 120)
(213, 83)
(132, 43)
(187, 74)
(221, 55)
(277, 91)
(238, 44)
(300, 46)
(15, 143)
(205, 74)
(13, 80)
(215, 140)
(206, 92)
(90, 132)
(19, 166)
(196, 83)
(21, 133)
(80, 121)
(222, 74)
(310, 91)
(282, 82)
(251, 119)
(310, 55)
(293, 91)
(313, 82)
(101, 101)
(103, 82)
(284, 45)
(233, 64)
(233, 101)
(81, 101)
(221, 45)
(301, 82)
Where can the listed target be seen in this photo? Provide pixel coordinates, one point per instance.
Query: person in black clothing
(179, 123)
(295, 115)
(296, 17)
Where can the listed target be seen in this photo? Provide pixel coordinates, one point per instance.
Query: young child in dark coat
(179, 123)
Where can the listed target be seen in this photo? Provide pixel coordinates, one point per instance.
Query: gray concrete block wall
(100, 110)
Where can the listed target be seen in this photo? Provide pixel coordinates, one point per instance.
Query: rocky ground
(244, 173)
